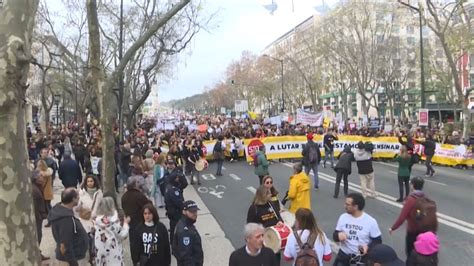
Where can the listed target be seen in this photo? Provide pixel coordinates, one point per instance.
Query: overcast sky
(240, 25)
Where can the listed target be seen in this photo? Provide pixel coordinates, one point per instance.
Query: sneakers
(316, 188)
(399, 200)
(43, 257)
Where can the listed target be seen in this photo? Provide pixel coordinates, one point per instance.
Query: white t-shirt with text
(358, 230)
(292, 248)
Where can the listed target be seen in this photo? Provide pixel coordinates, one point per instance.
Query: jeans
(329, 153)
(314, 167)
(219, 167)
(341, 174)
(403, 180)
(197, 174)
(429, 166)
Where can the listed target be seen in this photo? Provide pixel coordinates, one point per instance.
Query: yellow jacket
(299, 192)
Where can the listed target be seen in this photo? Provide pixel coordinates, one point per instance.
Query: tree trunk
(104, 87)
(18, 240)
(104, 94)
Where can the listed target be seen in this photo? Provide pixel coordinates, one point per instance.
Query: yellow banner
(286, 147)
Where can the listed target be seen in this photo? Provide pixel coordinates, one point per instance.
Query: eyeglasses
(269, 182)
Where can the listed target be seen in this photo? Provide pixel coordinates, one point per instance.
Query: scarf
(91, 191)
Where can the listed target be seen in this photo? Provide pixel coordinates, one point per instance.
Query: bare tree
(452, 25)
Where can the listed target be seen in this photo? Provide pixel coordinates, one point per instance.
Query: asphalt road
(228, 198)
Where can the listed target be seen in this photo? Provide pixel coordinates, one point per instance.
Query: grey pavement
(228, 198)
(216, 246)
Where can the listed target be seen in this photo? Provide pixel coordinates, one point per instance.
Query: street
(228, 198)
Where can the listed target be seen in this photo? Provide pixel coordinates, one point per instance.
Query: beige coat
(48, 184)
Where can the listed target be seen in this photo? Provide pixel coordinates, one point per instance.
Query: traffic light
(232, 82)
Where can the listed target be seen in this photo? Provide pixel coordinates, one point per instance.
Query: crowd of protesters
(154, 167)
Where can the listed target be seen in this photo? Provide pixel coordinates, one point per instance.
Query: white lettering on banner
(95, 164)
(309, 118)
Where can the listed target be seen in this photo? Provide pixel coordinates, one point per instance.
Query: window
(411, 84)
(410, 29)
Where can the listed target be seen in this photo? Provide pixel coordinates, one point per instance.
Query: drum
(201, 165)
(288, 218)
(275, 237)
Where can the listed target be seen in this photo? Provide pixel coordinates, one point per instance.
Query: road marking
(223, 168)
(252, 189)
(442, 218)
(426, 180)
(388, 164)
(431, 181)
(208, 177)
(235, 177)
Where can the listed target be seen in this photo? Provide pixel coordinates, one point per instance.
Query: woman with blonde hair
(307, 231)
(109, 234)
(404, 165)
(262, 211)
(47, 174)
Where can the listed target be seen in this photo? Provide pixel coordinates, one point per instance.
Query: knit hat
(309, 136)
(384, 255)
(347, 149)
(427, 243)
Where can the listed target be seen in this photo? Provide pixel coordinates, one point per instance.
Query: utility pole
(422, 67)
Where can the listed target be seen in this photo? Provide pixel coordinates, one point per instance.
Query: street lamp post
(56, 101)
(282, 94)
(422, 67)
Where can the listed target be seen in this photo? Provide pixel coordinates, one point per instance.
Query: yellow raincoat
(299, 192)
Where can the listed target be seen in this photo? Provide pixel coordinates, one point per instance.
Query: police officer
(174, 195)
(187, 247)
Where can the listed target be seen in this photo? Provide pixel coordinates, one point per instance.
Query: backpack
(218, 146)
(255, 160)
(306, 256)
(313, 154)
(424, 214)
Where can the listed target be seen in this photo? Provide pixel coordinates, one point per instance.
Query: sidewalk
(217, 248)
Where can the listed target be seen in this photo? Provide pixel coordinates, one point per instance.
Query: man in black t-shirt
(253, 253)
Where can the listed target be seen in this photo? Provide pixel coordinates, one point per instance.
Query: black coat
(187, 246)
(39, 204)
(345, 161)
(69, 231)
(70, 173)
(154, 242)
(305, 152)
(132, 203)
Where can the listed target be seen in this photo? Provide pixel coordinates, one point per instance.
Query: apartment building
(402, 92)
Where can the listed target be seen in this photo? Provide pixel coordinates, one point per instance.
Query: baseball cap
(384, 255)
(190, 205)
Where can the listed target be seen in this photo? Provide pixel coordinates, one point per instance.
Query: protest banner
(286, 147)
(423, 118)
(309, 118)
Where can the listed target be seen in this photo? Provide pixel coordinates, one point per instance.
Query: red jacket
(407, 210)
